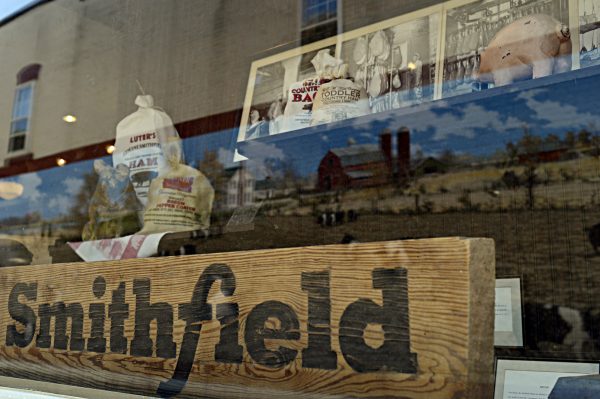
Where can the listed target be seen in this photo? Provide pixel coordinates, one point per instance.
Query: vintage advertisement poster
(443, 51)
(589, 32)
(396, 64)
(380, 67)
(280, 92)
(495, 43)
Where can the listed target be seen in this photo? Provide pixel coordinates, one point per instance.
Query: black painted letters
(195, 312)
(118, 312)
(318, 354)
(162, 312)
(257, 333)
(21, 313)
(267, 322)
(394, 354)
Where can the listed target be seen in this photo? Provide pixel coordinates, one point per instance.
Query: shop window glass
(212, 132)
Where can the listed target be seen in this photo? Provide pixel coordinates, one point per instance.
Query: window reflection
(319, 20)
(20, 117)
(22, 107)
(431, 147)
(315, 11)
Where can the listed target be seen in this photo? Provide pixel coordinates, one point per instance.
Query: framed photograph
(473, 28)
(395, 61)
(589, 33)
(387, 65)
(267, 93)
(526, 379)
(508, 327)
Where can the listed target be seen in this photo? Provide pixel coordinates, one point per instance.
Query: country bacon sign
(406, 319)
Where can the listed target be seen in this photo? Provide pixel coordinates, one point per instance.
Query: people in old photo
(417, 76)
(256, 127)
(275, 115)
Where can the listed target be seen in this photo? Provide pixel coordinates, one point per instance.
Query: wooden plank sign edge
(481, 317)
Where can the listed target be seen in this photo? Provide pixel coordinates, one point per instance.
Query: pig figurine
(114, 207)
(531, 47)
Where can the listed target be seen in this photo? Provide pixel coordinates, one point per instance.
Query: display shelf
(572, 84)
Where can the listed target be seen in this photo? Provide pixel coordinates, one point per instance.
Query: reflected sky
(478, 124)
(8, 7)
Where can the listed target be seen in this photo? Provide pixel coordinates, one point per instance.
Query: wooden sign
(406, 319)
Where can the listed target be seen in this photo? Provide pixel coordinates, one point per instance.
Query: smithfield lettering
(393, 355)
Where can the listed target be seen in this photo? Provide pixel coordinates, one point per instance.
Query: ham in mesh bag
(141, 137)
(340, 98)
(179, 199)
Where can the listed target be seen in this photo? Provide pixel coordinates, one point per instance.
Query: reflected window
(22, 106)
(319, 20)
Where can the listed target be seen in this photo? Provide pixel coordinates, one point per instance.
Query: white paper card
(530, 384)
(518, 379)
(504, 317)
(508, 327)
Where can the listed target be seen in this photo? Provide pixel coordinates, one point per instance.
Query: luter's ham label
(139, 144)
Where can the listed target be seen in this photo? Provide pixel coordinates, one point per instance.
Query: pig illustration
(144, 178)
(530, 47)
(114, 207)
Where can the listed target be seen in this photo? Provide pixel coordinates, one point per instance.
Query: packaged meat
(338, 100)
(139, 144)
(179, 199)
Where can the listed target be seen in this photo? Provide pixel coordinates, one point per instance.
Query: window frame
(302, 28)
(12, 135)
(325, 21)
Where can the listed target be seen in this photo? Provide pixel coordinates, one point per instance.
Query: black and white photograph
(589, 33)
(493, 43)
(380, 67)
(282, 94)
(396, 64)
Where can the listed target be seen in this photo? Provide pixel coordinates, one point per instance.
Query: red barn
(356, 165)
(547, 152)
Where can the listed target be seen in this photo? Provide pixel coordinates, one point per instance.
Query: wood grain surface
(447, 328)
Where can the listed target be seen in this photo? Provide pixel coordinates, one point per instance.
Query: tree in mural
(79, 212)
(214, 171)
